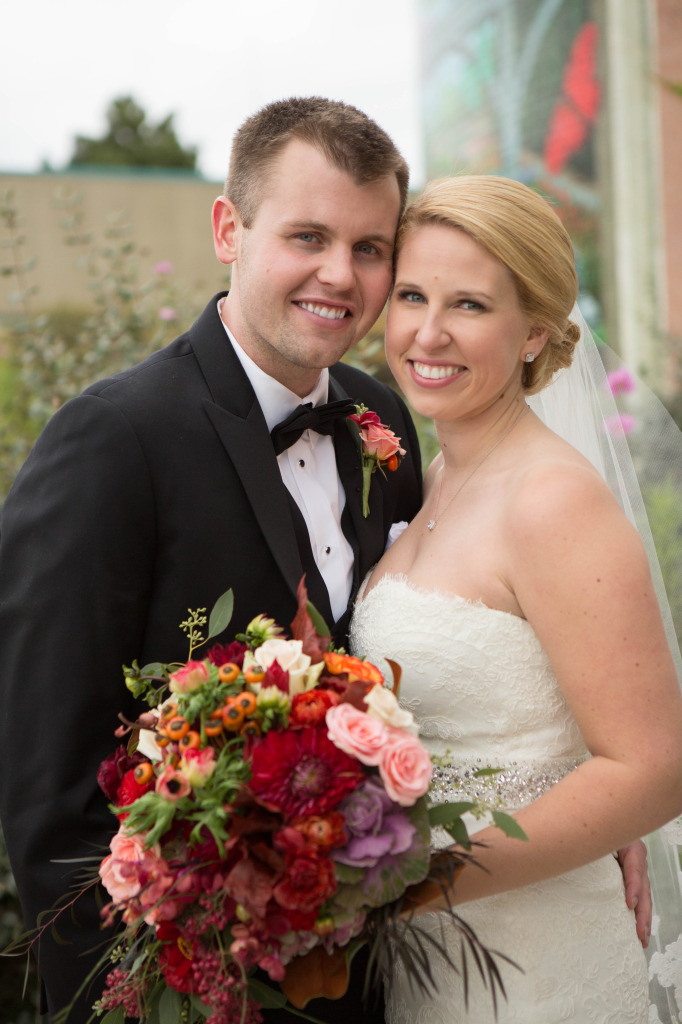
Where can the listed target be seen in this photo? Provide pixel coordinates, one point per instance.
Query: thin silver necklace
(432, 522)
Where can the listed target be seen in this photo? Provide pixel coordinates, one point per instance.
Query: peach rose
(405, 768)
(120, 870)
(380, 441)
(188, 678)
(357, 733)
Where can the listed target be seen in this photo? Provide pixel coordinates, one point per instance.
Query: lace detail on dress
(484, 694)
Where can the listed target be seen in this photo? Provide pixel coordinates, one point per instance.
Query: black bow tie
(320, 418)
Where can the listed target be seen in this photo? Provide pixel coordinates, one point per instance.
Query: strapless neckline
(432, 593)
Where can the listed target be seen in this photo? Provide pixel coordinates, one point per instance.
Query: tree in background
(131, 141)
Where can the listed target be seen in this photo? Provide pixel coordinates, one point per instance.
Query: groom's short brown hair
(349, 139)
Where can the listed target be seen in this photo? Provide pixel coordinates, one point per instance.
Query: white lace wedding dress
(484, 694)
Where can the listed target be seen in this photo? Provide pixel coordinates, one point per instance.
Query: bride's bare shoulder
(555, 487)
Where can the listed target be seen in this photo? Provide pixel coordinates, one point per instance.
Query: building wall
(169, 217)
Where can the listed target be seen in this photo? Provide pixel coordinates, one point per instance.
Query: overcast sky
(210, 62)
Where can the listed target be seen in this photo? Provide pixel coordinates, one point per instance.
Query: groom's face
(312, 273)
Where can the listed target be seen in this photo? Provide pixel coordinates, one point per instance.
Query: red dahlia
(300, 773)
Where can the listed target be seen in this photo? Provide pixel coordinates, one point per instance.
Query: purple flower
(377, 827)
(387, 849)
(163, 267)
(168, 313)
(621, 381)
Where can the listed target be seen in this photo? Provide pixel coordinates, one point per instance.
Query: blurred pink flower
(163, 267)
(168, 313)
(620, 423)
(621, 381)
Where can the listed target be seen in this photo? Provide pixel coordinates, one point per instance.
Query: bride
(520, 606)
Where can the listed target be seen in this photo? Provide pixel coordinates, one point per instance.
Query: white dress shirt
(310, 475)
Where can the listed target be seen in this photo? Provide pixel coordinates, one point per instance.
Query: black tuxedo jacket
(151, 493)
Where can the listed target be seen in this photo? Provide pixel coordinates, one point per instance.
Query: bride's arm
(580, 574)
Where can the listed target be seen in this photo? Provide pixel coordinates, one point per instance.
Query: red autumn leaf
(302, 628)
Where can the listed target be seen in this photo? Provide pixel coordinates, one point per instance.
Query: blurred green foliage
(47, 357)
(131, 141)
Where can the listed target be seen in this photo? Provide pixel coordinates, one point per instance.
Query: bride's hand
(633, 864)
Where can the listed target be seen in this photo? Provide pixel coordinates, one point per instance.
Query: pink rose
(380, 441)
(119, 871)
(188, 678)
(405, 768)
(357, 733)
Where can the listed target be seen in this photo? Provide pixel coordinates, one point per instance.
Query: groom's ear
(227, 225)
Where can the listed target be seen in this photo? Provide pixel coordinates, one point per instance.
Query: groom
(156, 490)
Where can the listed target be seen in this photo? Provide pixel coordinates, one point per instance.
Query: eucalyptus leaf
(321, 627)
(487, 771)
(170, 1007)
(458, 831)
(115, 1016)
(509, 825)
(200, 1009)
(221, 614)
(443, 814)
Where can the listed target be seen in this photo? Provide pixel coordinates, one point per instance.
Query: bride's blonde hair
(521, 230)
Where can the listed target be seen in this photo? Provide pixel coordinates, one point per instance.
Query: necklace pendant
(431, 523)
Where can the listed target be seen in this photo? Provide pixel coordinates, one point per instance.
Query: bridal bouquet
(272, 808)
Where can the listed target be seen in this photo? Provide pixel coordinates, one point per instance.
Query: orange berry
(190, 740)
(214, 726)
(254, 674)
(392, 463)
(233, 717)
(250, 728)
(143, 773)
(177, 728)
(228, 672)
(246, 701)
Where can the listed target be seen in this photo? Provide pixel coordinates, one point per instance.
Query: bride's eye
(410, 296)
(470, 304)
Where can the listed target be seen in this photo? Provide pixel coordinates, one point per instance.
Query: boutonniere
(378, 447)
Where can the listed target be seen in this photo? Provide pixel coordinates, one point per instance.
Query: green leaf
(487, 771)
(321, 627)
(458, 831)
(170, 1007)
(509, 825)
(154, 668)
(267, 997)
(115, 1016)
(443, 814)
(200, 1009)
(221, 614)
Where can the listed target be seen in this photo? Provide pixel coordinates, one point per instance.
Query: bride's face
(456, 336)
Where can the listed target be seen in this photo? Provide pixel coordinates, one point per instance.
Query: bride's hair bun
(521, 230)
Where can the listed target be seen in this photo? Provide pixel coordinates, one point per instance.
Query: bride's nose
(432, 333)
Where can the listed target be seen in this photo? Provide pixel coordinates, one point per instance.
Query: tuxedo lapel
(365, 535)
(240, 425)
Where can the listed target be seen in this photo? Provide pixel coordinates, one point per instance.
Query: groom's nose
(337, 268)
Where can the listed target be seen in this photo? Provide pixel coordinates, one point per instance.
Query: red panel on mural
(575, 111)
